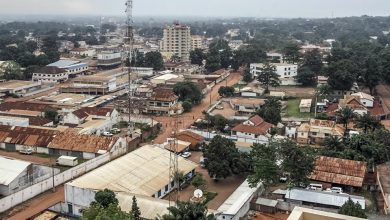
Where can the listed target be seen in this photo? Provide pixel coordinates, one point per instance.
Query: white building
(143, 172)
(20, 88)
(255, 130)
(163, 78)
(365, 99)
(50, 75)
(142, 71)
(73, 67)
(83, 52)
(196, 42)
(238, 204)
(107, 59)
(14, 175)
(284, 70)
(177, 40)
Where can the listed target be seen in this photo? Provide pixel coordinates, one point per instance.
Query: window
(314, 133)
(172, 184)
(166, 188)
(159, 194)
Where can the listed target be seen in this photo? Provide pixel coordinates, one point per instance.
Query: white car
(336, 190)
(186, 154)
(107, 134)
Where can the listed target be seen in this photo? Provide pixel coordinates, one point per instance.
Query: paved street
(187, 119)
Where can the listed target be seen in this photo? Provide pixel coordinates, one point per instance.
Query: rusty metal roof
(26, 136)
(72, 141)
(339, 171)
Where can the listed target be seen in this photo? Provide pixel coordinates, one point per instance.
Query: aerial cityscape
(194, 110)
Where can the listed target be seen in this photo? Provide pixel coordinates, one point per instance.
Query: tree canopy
(271, 111)
(188, 91)
(352, 209)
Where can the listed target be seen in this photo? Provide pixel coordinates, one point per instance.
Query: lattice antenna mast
(129, 41)
(174, 160)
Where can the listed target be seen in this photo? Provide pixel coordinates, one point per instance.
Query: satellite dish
(198, 193)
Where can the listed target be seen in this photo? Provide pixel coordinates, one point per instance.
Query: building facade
(177, 41)
(50, 75)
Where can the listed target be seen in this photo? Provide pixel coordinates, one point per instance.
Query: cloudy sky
(213, 8)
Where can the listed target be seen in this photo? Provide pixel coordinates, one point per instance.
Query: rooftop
(339, 171)
(236, 200)
(64, 63)
(383, 176)
(142, 172)
(26, 136)
(10, 169)
(300, 213)
(260, 126)
(324, 198)
(247, 101)
(95, 111)
(15, 84)
(73, 141)
(28, 106)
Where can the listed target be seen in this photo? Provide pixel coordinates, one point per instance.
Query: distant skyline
(202, 8)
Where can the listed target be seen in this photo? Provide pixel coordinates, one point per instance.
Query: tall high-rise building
(177, 41)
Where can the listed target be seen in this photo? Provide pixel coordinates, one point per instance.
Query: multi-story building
(177, 41)
(316, 131)
(109, 59)
(284, 70)
(73, 67)
(50, 75)
(164, 101)
(196, 42)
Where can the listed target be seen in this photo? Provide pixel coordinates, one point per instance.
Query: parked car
(186, 154)
(338, 190)
(107, 134)
(115, 131)
(316, 187)
(27, 151)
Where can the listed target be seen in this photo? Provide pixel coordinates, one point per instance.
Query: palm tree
(345, 115)
(367, 122)
(189, 211)
(333, 143)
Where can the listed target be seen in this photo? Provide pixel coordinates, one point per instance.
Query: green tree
(367, 122)
(313, 60)
(187, 106)
(221, 154)
(291, 53)
(51, 114)
(248, 76)
(106, 198)
(198, 181)
(246, 55)
(352, 209)
(271, 111)
(10, 71)
(98, 212)
(265, 168)
(345, 115)
(155, 60)
(306, 76)
(197, 56)
(268, 76)
(217, 122)
(188, 211)
(372, 74)
(213, 61)
(342, 75)
(188, 90)
(227, 91)
(135, 211)
(295, 161)
(385, 63)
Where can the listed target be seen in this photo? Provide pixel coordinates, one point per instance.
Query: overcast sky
(209, 8)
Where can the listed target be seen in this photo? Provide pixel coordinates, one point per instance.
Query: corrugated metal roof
(236, 200)
(340, 171)
(73, 141)
(325, 198)
(10, 169)
(142, 172)
(26, 136)
(64, 63)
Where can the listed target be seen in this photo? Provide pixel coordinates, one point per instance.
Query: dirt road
(383, 91)
(30, 158)
(37, 205)
(187, 119)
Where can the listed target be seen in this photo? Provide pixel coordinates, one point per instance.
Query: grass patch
(292, 110)
(209, 196)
